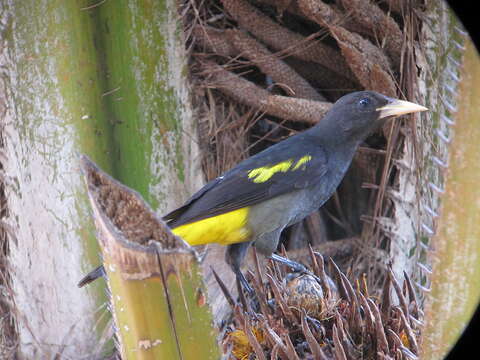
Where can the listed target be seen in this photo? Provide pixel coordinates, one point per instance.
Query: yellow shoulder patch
(264, 173)
(302, 161)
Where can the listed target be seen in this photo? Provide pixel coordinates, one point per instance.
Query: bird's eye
(364, 102)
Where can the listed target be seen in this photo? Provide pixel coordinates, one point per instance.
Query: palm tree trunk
(106, 79)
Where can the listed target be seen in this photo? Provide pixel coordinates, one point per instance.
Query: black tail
(92, 276)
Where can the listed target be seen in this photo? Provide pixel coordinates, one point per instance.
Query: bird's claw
(297, 267)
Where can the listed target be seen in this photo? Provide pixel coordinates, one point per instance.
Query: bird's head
(360, 113)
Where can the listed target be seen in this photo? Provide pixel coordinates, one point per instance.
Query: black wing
(239, 187)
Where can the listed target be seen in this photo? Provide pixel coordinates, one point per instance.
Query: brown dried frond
(319, 12)
(233, 43)
(308, 111)
(214, 40)
(325, 80)
(304, 316)
(329, 15)
(371, 52)
(271, 65)
(233, 85)
(381, 26)
(341, 250)
(282, 39)
(367, 62)
(248, 93)
(397, 6)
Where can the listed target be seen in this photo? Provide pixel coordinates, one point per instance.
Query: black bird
(253, 202)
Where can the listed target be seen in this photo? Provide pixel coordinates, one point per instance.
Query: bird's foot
(297, 267)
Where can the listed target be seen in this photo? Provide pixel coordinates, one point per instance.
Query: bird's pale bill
(397, 107)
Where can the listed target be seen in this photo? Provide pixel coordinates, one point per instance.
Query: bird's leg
(243, 281)
(234, 257)
(267, 243)
(297, 267)
(293, 264)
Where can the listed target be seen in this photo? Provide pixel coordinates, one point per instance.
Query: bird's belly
(288, 209)
(225, 229)
(306, 205)
(279, 212)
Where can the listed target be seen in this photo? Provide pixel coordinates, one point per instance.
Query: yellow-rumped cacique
(254, 201)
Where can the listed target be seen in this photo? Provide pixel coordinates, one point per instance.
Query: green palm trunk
(108, 81)
(455, 292)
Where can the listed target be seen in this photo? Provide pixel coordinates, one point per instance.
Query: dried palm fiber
(214, 40)
(357, 184)
(281, 39)
(272, 66)
(300, 316)
(323, 79)
(382, 27)
(341, 250)
(372, 53)
(233, 85)
(222, 128)
(363, 17)
(280, 5)
(316, 228)
(233, 43)
(222, 125)
(303, 110)
(248, 93)
(399, 6)
(329, 11)
(368, 63)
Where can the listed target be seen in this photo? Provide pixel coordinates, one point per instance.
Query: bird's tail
(92, 276)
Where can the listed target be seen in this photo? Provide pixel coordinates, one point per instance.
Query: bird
(252, 203)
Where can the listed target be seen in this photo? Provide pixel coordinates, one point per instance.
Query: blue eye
(364, 102)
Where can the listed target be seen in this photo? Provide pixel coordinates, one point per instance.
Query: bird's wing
(278, 170)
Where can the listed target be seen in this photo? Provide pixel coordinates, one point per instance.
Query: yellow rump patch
(228, 228)
(264, 173)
